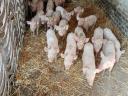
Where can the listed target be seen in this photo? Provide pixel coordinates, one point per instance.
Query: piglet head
(78, 10)
(68, 59)
(61, 30)
(105, 63)
(40, 12)
(52, 54)
(81, 42)
(90, 77)
(68, 62)
(68, 15)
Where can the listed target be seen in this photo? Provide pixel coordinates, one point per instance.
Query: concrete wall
(122, 5)
(117, 10)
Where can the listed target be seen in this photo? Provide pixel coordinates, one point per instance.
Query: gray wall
(121, 5)
(117, 10)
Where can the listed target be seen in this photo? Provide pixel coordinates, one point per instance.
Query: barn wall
(121, 5)
(117, 10)
(12, 28)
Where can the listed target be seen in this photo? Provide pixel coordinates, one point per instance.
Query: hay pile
(37, 77)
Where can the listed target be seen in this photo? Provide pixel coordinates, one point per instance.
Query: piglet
(34, 24)
(59, 2)
(87, 21)
(54, 20)
(70, 51)
(89, 68)
(52, 45)
(50, 8)
(97, 39)
(78, 10)
(62, 28)
(107, 56)
(65, 15)
(81, 38)
(110, 36)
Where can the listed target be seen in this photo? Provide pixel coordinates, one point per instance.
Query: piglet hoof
(62, 55)
(66, 68)
(90, 84)
(75, 57)
(110, 69)
(50, 61)
(97, 71)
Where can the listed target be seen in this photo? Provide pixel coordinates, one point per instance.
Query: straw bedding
(37, 77)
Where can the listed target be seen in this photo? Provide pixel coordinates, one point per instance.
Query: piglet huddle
(103, 40)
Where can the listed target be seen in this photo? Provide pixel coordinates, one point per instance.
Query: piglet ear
(29, 22)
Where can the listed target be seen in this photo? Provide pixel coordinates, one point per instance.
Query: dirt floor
(37, 77)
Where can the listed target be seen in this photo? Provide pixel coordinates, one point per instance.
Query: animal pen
(25, 70)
